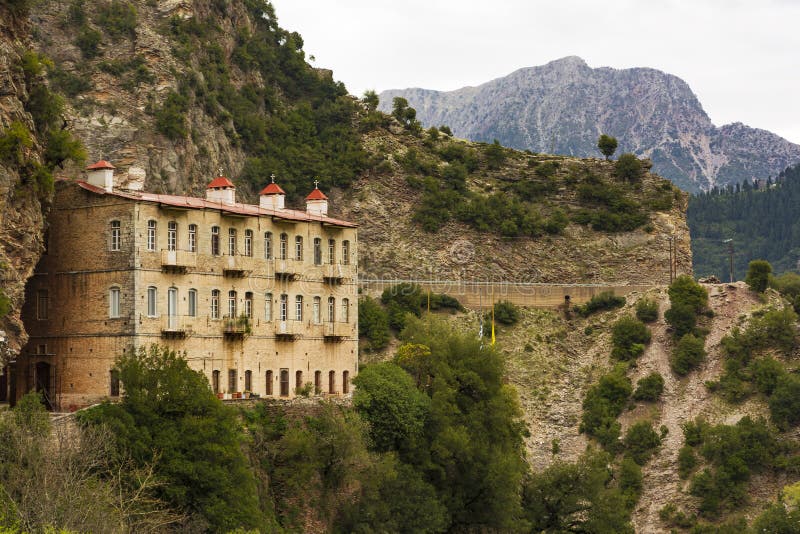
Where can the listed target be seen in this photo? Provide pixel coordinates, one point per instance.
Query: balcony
(288, 330)
(287, 269)
(337, 331)
(337, 273)
(178, 260)
(236, 327)
(176, 326)
(238, 266)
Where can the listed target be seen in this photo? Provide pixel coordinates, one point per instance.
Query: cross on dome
(316, 184)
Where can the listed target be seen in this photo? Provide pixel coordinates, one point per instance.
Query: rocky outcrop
(563, 107)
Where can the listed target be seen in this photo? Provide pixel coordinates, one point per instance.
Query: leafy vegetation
(628, 168)
(689, 353)
(758, 273)
(602, 405)
(373, 325)
(506, 312)
(607, 145)
(603, 301)
(628, 338)
(117, 18)
(650, 387)
(647, 310)
(641, 442)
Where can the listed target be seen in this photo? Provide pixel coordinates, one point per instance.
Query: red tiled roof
(316, 194)
(272, 189)
(201, 203)
(102, 164)
(219, 182)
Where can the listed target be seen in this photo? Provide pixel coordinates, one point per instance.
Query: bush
(687, 461)
(684, 290)
(650, 387)
(628, 168)
(682, 318)
(117, 18)
(630, 481)
(688, 354)
(758, 273)
(506, 312)
(647, 310)
(784, 404)
(641, 442)
(373, 325)
(5, 304)
(88, 41)
(629, 337)
(600, 302)
(495, 155)
(602, 405)
(766, 372)
(13, 143)
(171, 116)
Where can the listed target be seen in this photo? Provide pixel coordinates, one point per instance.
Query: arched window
(267, 245)
(215, 304)
(172, 235)
(317, 251)
(298, 248)
(345, 382)
(331, 251)
(248, 380)
(232, 304)
(317, 382)
(346, 252)
(284, 307)
(268, 390)
(268, 307)
(298, 308)
(345, 317)
(248, 305)
(116, 236)
(151, 236)
(248, 242)
(192, 295)
(231, 241)
(284, 246)
(114, 386)
(192, 244)
(152, 294)
(332, 382)
(113, 302)
(215, 240)
(233, 382)
(215, 380)
(331, 309)
(317, 312)
(298, 380)
(284, 382)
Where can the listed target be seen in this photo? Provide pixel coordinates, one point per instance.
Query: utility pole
(730, 255)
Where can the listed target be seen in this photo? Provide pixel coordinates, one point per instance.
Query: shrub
(629, 337)
(758, 273)
(495, 155)
(600, 302)
(784, 404)
(5, 304)
(446, 130)
(373, 325)
(773, 328)
(171, 116)
(117, 18)
(641, 442)
(602, 405)
(628, 168)
(88, 41)
(684, 290)
(682, 318)
(650, 387)
(440, 301)
(506, 312)
(766, 372)
(687, 461)
(13, 143)
(630, 481)
(688, 354)
(647, 310)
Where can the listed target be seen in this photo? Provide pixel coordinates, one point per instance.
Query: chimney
(221, 190)
(272, 197)
(317, 202)
(101, 174)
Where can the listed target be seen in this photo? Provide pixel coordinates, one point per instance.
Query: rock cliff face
(563, 107)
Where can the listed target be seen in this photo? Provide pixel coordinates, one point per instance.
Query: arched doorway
(43, 382)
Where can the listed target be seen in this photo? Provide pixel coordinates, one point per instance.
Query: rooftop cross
(220, 171)
(316, 184)
(272, 176)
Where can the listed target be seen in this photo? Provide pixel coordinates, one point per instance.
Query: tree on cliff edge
(607, 145)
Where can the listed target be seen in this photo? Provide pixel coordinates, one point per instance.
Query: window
(116, 235)
(151, 236)
(345, 382)
(298, 308)
(331, 309)
(192, 245)
(114, 379)
(231, 241)
(284, 305)
(233, 387)
(248, 305)
(268, 307)
(316, 312)
(331, 251)
(317, 251)
(215, 240)
(298, 248)
(248, 380)
(248, 242)
(113, 302)
(267, 245)
(345, 317)
(284, 246)
(215, 304)
(42, 304)
(268, 391)
(284, 382)
(298, 380)
(192, 303)
(332, 382)
(317, 382)
(231, 304)
(215, 381)
(346, 252)
(172, 235)
(152, 293)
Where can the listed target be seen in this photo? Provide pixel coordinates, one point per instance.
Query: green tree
(628, 168)
(682, 318)
(629, 337)
(758, 273)
(684, 290)
(650, 387)
(641, 442)
(784, 403)
(495, 155)
(169, 408)
(373, 325)
(607, 145)
(405, 114)
(370, 100)
(688, 354)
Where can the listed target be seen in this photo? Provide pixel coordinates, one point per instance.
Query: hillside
(764, 223)
(562, 107)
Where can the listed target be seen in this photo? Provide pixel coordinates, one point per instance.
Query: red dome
(316, 194)
(102, 164)
(220, 182)
(272, 189)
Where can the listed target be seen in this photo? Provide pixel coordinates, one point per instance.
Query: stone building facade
(263, 299)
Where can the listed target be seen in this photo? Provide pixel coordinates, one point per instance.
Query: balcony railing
(176, 326)
(178, 260)
(334, 331)
(236, 327)
(288, 330)
(238, 266)
(288, 269)
(338, 272)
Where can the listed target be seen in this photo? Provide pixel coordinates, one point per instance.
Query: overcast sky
(741, 58)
